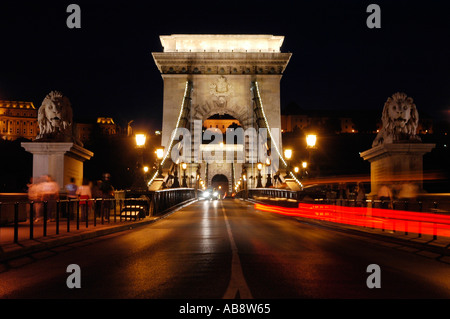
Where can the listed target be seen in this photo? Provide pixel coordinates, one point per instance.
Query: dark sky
(106, 67)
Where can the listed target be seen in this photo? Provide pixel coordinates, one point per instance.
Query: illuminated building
(105, 126)
(18, 120)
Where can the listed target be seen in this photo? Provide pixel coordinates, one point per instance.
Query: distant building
(347, 125)
(104, 126)
(221, 123)
(18, 120)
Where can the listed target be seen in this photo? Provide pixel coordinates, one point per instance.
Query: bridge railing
(269, 194)
(423, 214)
(166, 199)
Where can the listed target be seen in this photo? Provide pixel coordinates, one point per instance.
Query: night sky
(106, 67)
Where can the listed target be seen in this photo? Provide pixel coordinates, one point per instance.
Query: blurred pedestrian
(50, 193)
(71, 190)
(107, 195)
(84, 194)
(35, 195)
(360, 195)
(97, 195)
(385, 196)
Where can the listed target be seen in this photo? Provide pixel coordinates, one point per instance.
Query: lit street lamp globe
(311, 140)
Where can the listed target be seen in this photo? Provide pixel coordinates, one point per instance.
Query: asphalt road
(226, 249)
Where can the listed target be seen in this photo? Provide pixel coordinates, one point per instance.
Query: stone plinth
(396, 162)
(61, 160)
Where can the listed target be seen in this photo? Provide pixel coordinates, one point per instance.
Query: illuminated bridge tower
(215, 82)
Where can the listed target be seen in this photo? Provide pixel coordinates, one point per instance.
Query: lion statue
(400, 120)
(55, 117)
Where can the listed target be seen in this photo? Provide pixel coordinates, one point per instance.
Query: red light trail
(386, 219)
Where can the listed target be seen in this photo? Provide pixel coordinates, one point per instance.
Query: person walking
(71, 190)
(97, 195)
(84, 194)
(360, 195)
(50, 193)
(107, 195)
(35, 196)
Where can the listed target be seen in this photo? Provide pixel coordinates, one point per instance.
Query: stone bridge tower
(207, 76)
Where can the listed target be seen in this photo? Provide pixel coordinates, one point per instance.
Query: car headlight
(215, 194)
(205, 194)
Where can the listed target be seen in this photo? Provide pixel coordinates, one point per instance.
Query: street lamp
(259, 166)
(288, 153)
(288, 156)
(304, 164)
(269, 178)
(311, 143)
(139, 182)
(184, 166)
(311, 140)
(159, 155)
(140, 140)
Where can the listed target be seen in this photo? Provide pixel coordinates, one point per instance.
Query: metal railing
(428, 210)
(63, 215)
(264, 194)
(25, 218)
(166, 199)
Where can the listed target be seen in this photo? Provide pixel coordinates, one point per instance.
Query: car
(210, 194)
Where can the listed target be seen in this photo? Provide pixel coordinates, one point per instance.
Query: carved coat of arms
(220, 87)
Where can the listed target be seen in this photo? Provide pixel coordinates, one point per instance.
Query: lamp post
(259, 166)
(269, 178)
(288, 156)
(145, 168)
(184, 166)
(139, 182)
(159, 156)
(311, 140)
(304, 166)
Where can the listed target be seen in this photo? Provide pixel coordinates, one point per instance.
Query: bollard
(120, 209)
(31, 219)
(57, 217)
(434, 225)
(115, 210)
(86, 212)
(68, 215)
(45, 218)
(406, 227)
(102, 209)
(78, 214)
(95, 216)
(16, 222)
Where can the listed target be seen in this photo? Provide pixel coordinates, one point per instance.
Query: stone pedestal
(61, 160)
(396, 163)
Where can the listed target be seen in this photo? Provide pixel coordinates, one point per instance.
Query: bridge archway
(221, 183)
